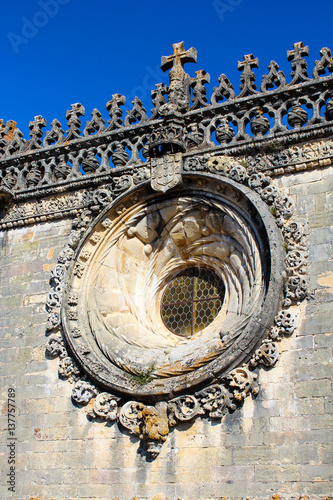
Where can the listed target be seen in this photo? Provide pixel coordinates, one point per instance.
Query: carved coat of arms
(166, 172)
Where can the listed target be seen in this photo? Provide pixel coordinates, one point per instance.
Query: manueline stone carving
(202, 197)
(137, 113)
(83, 392)
(225, 89)
(62, 169)
(158, 99)
(115, 112)
(248, 86)
(56, 134)
(36, 132)
(214, 401)
(298, 63)
(10, 179)
(96, 124)
(199, 98)
(326, 62)
(195, 136)
(74, 122)
(267, 354)
(297, 116)
(260, 124)
(149, 423)
(179, 86)
(224, 133)
(166, 172)
(53, 321)
(105, 407)
(90, 163)
(119, 156)
(68, 369)
(275, 76)
(55, 346)
(45, 170)
(33, 175)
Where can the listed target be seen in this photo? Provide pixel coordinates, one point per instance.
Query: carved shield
(166, 172)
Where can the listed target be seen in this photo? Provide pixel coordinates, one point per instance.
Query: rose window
(182, 287)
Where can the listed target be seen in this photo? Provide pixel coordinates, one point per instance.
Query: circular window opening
(191, 301)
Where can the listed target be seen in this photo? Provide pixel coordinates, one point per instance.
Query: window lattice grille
(191, 301)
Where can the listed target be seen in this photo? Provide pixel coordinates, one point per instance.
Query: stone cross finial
(179, 89)
(158, 99)
(115, 112)
(249, 62)
(96, 124)
(298, 64)
(298, 52)
(274, 76)
(202, 76)
(56, 134)
(36, 132)
(248, 86)
(199, 89)
(326, 61)
(179, 57)
(225, 89)
(74, 122)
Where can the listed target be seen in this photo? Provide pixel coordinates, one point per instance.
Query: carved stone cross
(115, 112)
(298, 52)
(298, 64)
(179, 88)
(74, 122)
(248, 86)
(36, 132)
(199, 89)
(249, 62)
(179, 57)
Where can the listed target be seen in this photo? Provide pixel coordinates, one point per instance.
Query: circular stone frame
(120, 221)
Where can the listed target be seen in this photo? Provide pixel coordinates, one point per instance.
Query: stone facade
(213, 415)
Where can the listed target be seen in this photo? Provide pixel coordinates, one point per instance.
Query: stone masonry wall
(278, 443)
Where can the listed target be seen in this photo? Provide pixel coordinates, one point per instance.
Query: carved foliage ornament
(169, 302)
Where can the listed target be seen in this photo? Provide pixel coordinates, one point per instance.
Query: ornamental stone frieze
(185, 263)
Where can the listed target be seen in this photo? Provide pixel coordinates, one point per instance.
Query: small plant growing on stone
(143, 378)
(273, 210)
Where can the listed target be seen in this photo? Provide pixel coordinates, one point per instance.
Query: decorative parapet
(254, 122)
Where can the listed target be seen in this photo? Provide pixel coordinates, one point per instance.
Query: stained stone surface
(112, 404)
(279, 442)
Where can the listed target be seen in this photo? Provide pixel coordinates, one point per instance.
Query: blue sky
(58, 52)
